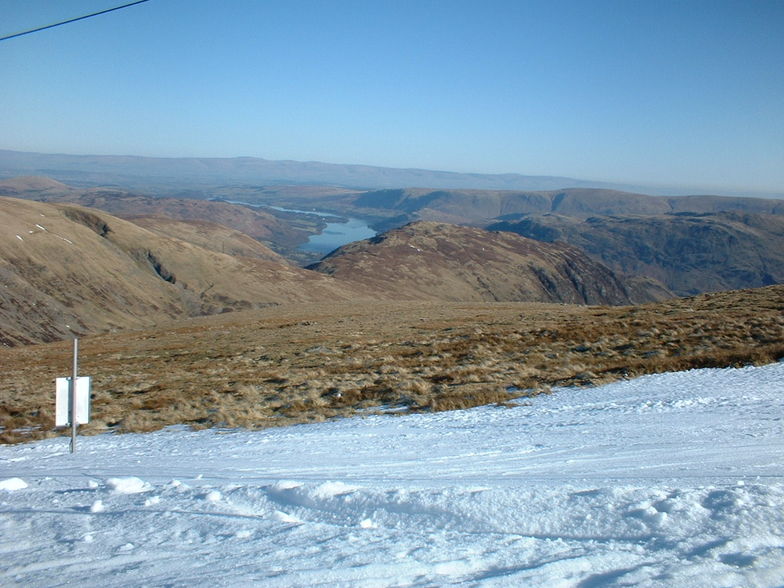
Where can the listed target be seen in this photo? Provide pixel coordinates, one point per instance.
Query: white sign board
(82, 401)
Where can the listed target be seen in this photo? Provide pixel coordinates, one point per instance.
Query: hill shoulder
(449, 262)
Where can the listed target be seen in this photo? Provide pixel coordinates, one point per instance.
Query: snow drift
(673, 479)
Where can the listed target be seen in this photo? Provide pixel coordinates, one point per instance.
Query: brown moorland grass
(308, 363)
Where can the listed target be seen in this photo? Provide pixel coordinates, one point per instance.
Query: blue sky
(665, 92)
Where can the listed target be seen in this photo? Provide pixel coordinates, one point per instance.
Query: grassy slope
(303, 363)
(210, 236)
(67, 269)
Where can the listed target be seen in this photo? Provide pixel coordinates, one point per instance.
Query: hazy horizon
(672, 94)
(537, 182)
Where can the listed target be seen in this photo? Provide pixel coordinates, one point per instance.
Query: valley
(201, 311)
(392, 294)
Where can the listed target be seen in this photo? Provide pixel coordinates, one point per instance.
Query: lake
(335, 234)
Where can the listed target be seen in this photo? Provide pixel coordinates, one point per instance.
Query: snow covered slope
(668, 480)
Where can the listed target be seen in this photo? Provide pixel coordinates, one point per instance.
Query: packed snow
(667, 480)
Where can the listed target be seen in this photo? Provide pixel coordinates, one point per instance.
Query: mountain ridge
(458, 263)
(479, 206)
(137, 171)
(688, 252)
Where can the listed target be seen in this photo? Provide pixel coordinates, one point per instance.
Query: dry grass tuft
(310, 363)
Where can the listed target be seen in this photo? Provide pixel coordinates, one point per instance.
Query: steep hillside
(449, 262)
(689, 253)
(67, 269)
(210, 236)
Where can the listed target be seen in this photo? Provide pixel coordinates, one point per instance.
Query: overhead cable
(57, 24)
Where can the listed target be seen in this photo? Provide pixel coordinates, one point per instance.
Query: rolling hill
(67, 269)
(688, 252)
(257, 224)
(72, 270)
(175, 174)
(480, 207)
(685, 245)
(450, 262)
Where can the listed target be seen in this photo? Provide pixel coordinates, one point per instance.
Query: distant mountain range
(161, 173)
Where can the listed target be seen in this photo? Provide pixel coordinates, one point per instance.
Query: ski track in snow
(667, 480)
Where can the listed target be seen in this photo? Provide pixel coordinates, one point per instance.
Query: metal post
(72, 395)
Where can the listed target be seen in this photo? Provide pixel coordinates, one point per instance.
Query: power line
(57, 24)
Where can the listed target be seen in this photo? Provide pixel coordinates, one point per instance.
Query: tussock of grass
(311, 363)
